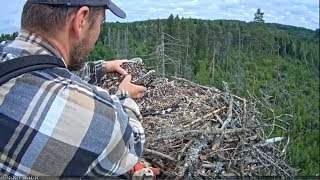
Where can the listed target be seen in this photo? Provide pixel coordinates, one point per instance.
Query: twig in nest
(218, 118)
(204, 117)
(245, 112)
(197, 85)
(270, 161)
(284, 150)
(194, 132)
(239, 98)
(184, 149)
(149, 151)
(229, 118)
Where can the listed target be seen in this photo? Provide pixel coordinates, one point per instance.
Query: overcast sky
(302, 13)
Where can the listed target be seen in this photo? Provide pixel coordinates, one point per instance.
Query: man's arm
(135, 146)
(127, 138)
(127, 142)
(92, 72)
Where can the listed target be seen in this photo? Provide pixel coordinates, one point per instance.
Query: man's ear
(81, 22)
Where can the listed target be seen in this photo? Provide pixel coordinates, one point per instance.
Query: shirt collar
(36, 40)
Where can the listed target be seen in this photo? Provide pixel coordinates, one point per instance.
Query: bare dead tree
(168, 46)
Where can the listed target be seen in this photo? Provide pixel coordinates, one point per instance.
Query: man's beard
(78, 54)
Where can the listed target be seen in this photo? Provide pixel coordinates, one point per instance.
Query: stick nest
(210, 133)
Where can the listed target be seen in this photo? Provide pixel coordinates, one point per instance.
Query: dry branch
(204, 117)
(149, 151)
(199, 132)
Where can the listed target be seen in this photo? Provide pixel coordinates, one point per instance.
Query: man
(52, 122)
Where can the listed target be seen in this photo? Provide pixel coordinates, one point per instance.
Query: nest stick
(204, 117)
(149, 151)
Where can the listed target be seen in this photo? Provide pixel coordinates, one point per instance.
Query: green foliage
(8, 37)
(101, 52)
(202, 76)
(317, 35)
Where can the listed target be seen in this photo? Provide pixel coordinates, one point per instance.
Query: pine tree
(258, 16)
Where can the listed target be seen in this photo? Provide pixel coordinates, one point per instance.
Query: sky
(301, 13)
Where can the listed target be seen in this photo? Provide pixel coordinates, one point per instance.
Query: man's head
(77, 21)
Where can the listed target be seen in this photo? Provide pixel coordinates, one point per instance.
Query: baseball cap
(91, 3)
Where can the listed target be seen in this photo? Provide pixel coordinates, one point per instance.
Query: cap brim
(116, 10)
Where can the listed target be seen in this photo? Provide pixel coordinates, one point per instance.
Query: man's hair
(50, 19)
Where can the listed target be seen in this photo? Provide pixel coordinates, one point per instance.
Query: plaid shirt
(53, 123)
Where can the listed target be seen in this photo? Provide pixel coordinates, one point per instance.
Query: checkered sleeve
(133, 138)
(91, 72)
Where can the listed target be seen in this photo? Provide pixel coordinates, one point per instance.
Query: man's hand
(114, 66)
(135, 91)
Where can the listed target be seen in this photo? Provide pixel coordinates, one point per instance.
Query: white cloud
(292, 12)
(194, 2)
(153, 10)
(178, 10)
